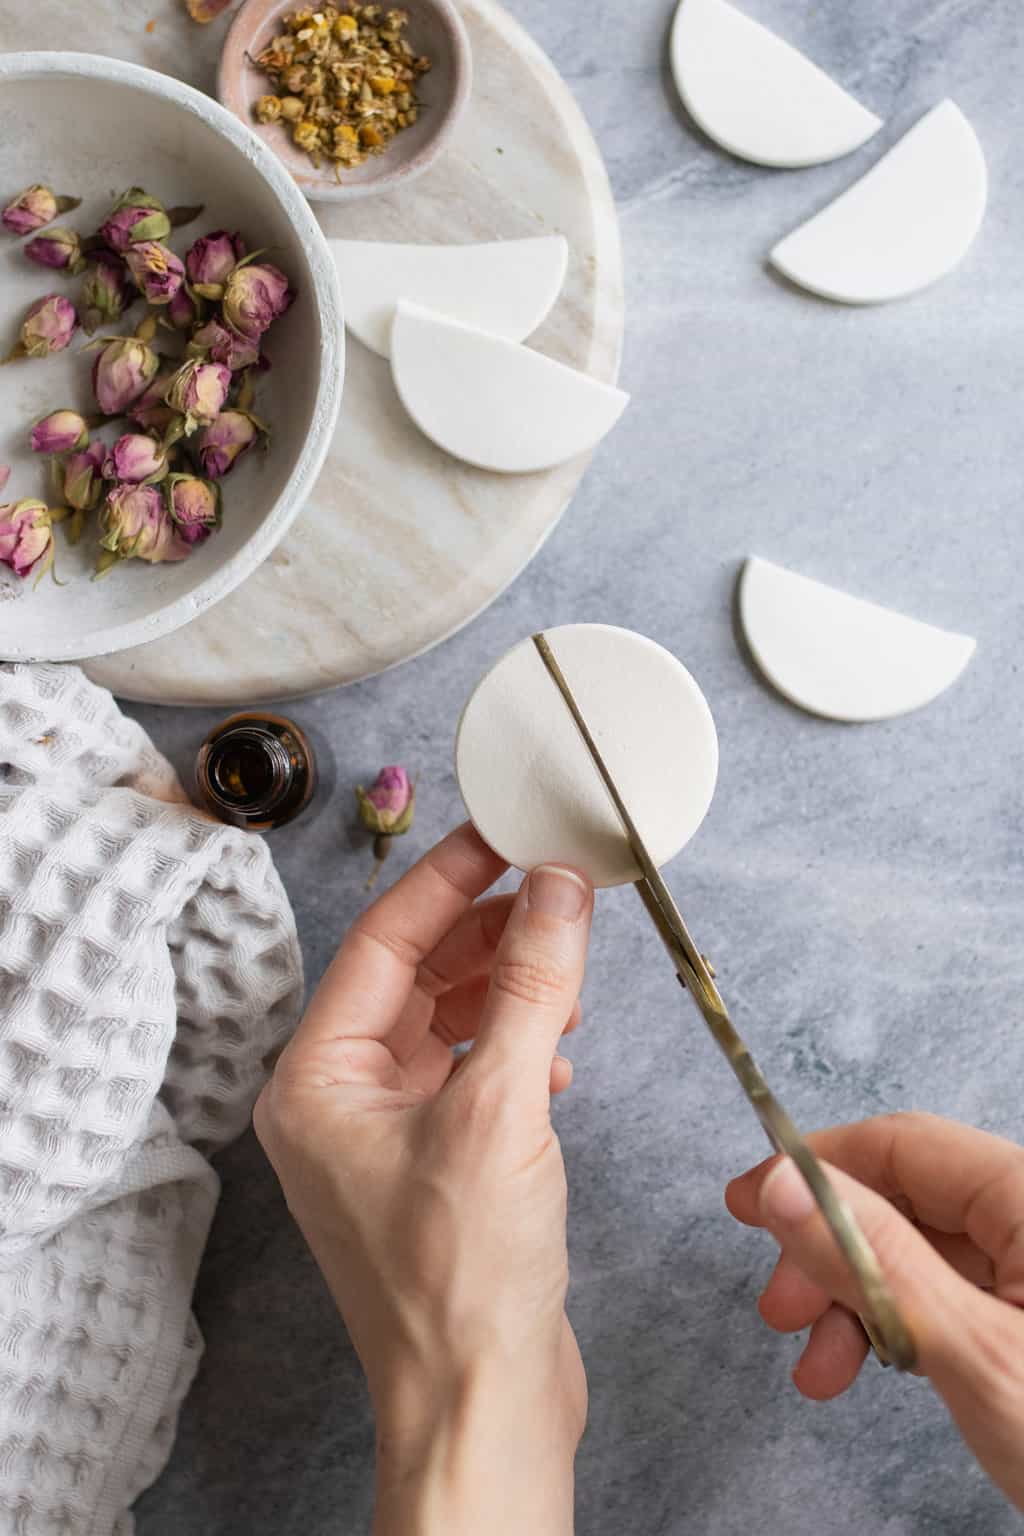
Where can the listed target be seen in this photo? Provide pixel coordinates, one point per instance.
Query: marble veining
(858, 888)
(399, 545)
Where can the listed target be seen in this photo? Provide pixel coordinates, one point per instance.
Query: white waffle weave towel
(149, 970)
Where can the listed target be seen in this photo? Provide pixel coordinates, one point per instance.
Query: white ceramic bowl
(92, 127)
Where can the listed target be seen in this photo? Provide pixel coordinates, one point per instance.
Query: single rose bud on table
(83, 486)
(157, 271)
(211, 260)
(59, 249)
(48, 327)
(255, 295)
(222, 443)
(31, 209)
(26, 538)
(198, 390)
(60, 432)
(135, 216)
(194, 506)
(121, 373)
(106, 291)
(386, 809)
(137, 459)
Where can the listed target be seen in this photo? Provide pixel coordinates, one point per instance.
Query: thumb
(536, 977)
(955, 1325)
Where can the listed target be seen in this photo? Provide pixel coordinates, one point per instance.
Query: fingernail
(786, 1200)
(556, 892)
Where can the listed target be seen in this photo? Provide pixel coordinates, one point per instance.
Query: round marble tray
(399, 545)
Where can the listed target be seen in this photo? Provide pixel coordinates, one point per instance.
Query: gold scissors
(889, 1335)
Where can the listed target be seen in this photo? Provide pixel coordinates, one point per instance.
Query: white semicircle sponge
(503, 286)
(902, 226)
(839, 656)
(756, 95)
(491, 402)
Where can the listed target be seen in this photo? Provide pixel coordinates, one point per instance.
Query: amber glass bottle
(257, 771)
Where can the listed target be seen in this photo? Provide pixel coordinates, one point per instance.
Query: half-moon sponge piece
(839, 656)
(506, 287)
(492, 403)
(901, 227)
(756, 95)
(529, 783)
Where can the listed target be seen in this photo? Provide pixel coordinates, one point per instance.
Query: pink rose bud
(26, 537)
(158, 273)
(105, 291)
(5, 475)
(136, 525)
(59, 248)
(33, 208)
(150, 410)
(136, 458)
(221, 344)
(121, 372)
(60, 432)
(83, 477)
(184, 309)
(194, 506)
(212, 258)
(135, 216)
(198, 391)
(386, 809)
(48, 326)
(254, 297)
(224, 441)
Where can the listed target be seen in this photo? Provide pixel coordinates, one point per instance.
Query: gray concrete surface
(858, 888)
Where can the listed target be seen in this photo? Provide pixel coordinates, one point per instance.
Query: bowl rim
(399, 174)
(327, 305)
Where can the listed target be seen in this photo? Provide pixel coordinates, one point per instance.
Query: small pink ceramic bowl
(435, 28)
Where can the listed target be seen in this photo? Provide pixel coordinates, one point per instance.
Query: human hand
(943, 1207)
(435, 1200)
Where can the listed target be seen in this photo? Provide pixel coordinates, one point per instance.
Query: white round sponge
(528, 781)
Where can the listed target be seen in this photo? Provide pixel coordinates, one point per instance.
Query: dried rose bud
(137, 526)
(5, 475)
(121, 373)
(60, 432)
(212, 259)
(156, 270)
(184, 309)
(221, 344)
(106, 291)
(59, 248)
(150, 410)
(206, 10)
(137, 459)
(48, 326)
(83, 477)
(135, 216)
(254, 297)
(26, 537)
(194, 506)
(386, 809)
(33, 208)
(198, 391)
(224, 441)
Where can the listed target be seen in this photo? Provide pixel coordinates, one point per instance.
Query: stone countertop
(858, 888)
